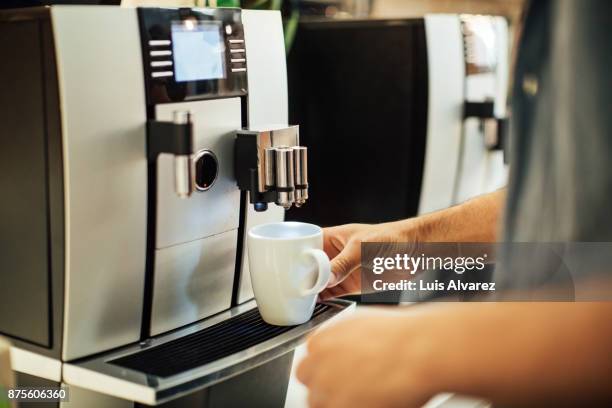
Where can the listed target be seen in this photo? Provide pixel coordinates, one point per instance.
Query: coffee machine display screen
(199, 50)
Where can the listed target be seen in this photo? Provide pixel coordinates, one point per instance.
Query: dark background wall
(358, 90)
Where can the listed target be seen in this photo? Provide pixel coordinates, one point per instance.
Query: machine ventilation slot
(208, 345)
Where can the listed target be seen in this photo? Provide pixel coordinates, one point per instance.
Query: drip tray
(208, 345)
(189, 359)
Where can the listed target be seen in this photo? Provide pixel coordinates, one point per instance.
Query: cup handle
(323, 271)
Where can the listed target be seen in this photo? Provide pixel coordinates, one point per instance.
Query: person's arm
(519, 354)
(536, 354)
(476, 220)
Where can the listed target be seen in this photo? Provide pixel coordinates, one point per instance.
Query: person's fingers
(334, 241)
(352, 284)
(332, 292)
(349, 286)
(325, 295)
(345, 262)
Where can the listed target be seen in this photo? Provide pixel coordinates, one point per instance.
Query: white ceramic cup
(288, 269)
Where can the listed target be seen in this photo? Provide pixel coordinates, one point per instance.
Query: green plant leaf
(291, 29)
(257, 4)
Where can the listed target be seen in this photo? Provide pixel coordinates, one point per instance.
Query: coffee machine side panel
(268, 105)
(482, 168)
(445, 111)
(105, 175)
(267, 74)
(31, 209)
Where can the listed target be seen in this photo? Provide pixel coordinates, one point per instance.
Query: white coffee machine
(136, 148)
(408, 109)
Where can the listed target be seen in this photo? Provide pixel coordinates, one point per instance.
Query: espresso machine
(137, 147)
(422, 99)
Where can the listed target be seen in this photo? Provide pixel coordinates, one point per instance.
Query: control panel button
(206, 169)
(160, 53)
(159, 43)
(161, 74)
(156, 64)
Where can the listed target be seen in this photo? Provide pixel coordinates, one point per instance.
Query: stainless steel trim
(161, 74)
(99, 375)
(160, 53)
(158, 43)
(238, 69)
(157, 64)
(238, 60)
(27, 362)
(236, 41)
(236, 50)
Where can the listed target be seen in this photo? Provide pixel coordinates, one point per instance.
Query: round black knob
(206, 170)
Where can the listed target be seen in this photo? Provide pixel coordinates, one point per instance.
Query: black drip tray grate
(213, 343)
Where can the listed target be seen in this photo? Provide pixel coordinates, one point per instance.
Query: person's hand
(343, 246)
(370, 360)
(508, 353)
(475, 220)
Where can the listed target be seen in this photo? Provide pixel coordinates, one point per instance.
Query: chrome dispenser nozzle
(284, 176)
(269, 168)
(183, 172)
(182, 176)
(272, 166)
(300, 160)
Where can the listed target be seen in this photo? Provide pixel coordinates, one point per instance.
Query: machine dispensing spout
(183, 177)
(300, 161)
(272, 167)
(284, 177)
(269, 168)
(174, 138)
